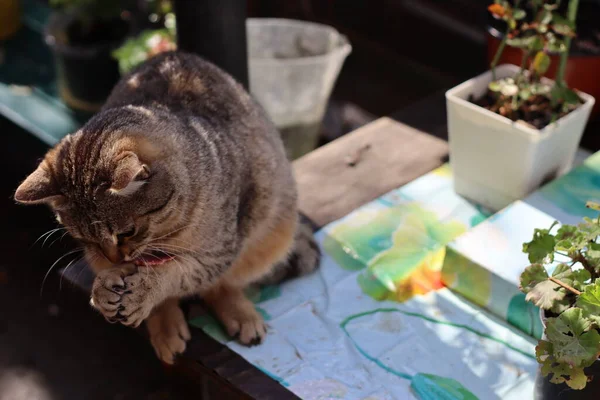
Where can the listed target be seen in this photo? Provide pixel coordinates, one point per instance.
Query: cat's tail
(304, 258)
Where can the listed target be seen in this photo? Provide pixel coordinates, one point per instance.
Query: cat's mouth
(153, 258)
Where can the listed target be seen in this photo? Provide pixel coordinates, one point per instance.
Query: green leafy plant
(538, 29)
(149, 42)
(138, 49)
(570, 296)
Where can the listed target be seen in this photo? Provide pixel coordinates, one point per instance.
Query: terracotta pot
(10, 18)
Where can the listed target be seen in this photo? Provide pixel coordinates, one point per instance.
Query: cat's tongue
(153, 259)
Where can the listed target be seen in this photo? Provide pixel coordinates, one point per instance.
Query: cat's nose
(113, 253)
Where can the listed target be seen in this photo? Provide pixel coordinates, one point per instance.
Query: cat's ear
(39, 187)
(129, 174)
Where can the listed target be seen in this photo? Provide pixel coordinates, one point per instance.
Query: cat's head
(114, 193)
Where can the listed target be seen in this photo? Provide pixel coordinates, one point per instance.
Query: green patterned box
(484, 264)
(565, 198)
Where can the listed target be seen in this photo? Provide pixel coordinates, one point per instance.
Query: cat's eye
(126, 235)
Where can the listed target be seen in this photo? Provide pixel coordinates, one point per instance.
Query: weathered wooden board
(347, 173)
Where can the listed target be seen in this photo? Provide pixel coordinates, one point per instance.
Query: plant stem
(564, 56)
(524, 60)
(499, 52)
(581, 259)
(569, 288)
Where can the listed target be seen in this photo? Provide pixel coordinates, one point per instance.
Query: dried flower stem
(569, 288)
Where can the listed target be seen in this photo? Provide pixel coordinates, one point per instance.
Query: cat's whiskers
(179, 257)
(84, 265)
(145, 253)
(156, 275)
(183, 242)
(177, 261)
(176, 256)
(47, 233)
(169, 246)
(75, 260)
(53, 265)
(59, 239)
(174, 231)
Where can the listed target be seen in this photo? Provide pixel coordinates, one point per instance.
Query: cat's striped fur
(179, 186)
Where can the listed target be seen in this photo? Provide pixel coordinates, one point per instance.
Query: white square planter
(496, 161)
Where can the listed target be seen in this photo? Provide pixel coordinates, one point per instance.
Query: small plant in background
(149, 42)
(570, 296)
(539, 29)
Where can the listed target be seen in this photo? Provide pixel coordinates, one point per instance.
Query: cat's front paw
(122, 295)
(168, 331)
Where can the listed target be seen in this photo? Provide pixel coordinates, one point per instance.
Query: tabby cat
(179, 186)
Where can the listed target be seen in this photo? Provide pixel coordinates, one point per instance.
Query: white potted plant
(510, 129)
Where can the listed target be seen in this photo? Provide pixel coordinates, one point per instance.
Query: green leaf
(570, 96)
(556, 45)
(518, 14)
(570, 239)
(532, 276)
(563, 30)
(590, 229)
(580, 278)
(138, 49)
(495, 86)
(541, 63)
(508, 18)
(589, 302)
(539, 289)
(550, 7)
(537, 44)
(562, 25)
(556, 94)
(524, 94)
(592, 254)
(546, 17)
(576, 279)
(540, 88)
(593, 205)
(433, 387)
(522, 43)
(564, 245)
(573, 341)
(563, 94)
(565, 274)
(541, 247)
(509, 90)
(561, 372)
(566, 232)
